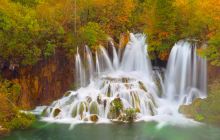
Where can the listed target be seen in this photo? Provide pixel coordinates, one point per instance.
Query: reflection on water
(137, 131)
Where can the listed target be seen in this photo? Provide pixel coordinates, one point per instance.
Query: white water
(185, 77)
(134, 82)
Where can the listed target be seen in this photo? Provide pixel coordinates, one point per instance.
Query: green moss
(199, 117)
(21, 121)
(205, 110)
(10, 116)
(130, 115)
(93, 108)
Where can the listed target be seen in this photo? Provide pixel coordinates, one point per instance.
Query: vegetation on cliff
(10, 116)
(205, 110)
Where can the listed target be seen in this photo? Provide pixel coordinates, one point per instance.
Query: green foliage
(20, 121)
(29, 3)
(116, 108)
(10, 116)
(31, 30)
(10, 89)
(92, 34)
(205, 110)
(130, 115)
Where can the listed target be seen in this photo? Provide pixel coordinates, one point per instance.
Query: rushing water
(135, 131)
(131, 79)
(127, 75)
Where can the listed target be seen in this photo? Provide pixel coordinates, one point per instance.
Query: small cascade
(185, 77)
(90, 63)
(97, 64)
(135, 56)
(106, 64)
(80, 71)
(115, 57)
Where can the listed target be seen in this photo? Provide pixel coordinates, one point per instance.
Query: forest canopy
(31, 30)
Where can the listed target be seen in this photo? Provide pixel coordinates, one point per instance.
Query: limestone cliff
(44, 82)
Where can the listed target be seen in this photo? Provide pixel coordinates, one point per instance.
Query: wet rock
(151, 108)
(99, 100)
(93, 108)
(94, 118)
(66, 94)
(81, 109)
(56, 112)
(74, 111)
(109, 91)
(46, 112)
(116, 107)
(105, 103)
(135, 100)
(88, 99)
(142, 86)
(125, 80)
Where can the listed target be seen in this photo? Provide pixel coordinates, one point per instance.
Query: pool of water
(135, 131)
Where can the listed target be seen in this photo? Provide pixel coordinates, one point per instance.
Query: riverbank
(205, 110)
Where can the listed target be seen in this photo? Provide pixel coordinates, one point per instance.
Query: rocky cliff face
(44, 82)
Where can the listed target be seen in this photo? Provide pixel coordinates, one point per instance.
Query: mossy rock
(93, 108)
(151, 108)
(56, 112)
(116, 108)
(109, 91)
(66, 94)
(74, 111)
(94, 118)
(82, 107)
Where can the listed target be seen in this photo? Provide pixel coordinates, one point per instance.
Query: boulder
(94, 118)
(93, 108)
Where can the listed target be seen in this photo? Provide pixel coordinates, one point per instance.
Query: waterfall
(115, 57)
(185, 77)
(80, 71)
(130, 81)
(90, 63)
(135, 57)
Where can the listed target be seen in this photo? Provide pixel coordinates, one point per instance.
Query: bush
(130, 115)
(21, 121)
(10, 116)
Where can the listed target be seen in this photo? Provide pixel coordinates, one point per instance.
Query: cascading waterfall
(90, 63)
(80, 71)
(186, 77)
(132, 83)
